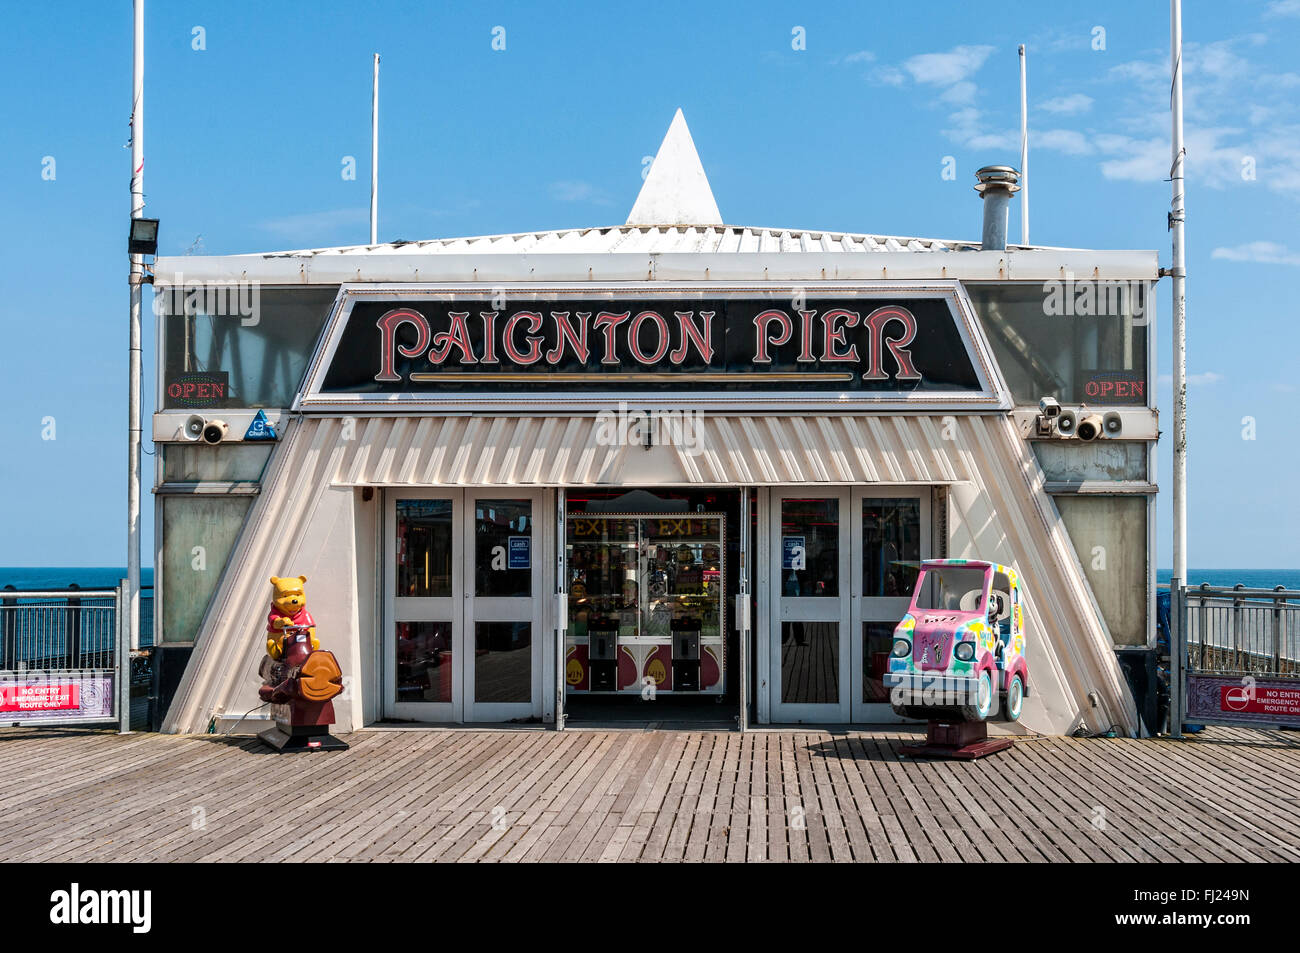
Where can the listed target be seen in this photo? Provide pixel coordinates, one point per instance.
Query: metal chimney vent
(997, 183)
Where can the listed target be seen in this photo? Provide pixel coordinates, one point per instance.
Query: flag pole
(374, 156)
(1177, 217)
(1024, 152)
(131, 632)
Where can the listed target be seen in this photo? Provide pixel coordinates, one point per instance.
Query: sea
(39, 578)
(1249, 578)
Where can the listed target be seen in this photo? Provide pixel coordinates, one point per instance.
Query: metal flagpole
(1177, 216)
(374, 156)
(1024, 153)
(132, 602)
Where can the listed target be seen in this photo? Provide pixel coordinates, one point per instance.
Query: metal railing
(53, 630)
(1242, 631)
(64, 658)
(1239, 645)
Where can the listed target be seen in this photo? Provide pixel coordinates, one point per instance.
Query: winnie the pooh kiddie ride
(958, 657)
(299, 678)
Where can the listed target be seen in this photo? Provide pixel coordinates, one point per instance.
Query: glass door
(646, 608)
(502, 600)
(424, 643)
(809, 573)
(891, 535)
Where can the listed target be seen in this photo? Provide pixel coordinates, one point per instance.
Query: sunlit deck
(530, 794)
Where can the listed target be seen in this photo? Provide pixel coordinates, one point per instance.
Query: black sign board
(841, 344)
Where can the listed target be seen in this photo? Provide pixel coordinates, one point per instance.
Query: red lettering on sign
(608, 322)
(456, 336)
(534, 352)
(785, 328)
(835, 336)
(576, 337)
(701, 337)
(388, 325)
(634, 337)
(876, 322)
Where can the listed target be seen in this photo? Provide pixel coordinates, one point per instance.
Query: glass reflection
(810, 663)
(503, 662)
(810, 540)
(503, 548)
(891, 547)
(877, 640)
(424, 662)
(424, 547)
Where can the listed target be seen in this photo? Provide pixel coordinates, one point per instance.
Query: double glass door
(463, 627)
(841, 570)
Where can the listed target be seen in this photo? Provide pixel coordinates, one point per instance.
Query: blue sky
(245, 141)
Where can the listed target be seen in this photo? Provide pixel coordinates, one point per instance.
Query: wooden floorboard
(463, 795)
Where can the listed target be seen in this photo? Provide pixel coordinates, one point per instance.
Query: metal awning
(573, 451)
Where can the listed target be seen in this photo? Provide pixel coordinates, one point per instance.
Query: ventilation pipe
(997, 183)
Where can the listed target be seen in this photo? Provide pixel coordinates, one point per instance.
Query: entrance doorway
(841, 566)
(649, 578)
(463, 608)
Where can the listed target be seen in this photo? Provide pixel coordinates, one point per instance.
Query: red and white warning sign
(1260, 700)
(49, 696)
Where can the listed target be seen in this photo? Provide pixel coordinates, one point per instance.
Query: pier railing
(63, 657)
(1235, 656)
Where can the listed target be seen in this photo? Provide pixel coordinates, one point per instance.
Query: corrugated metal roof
(649, 239)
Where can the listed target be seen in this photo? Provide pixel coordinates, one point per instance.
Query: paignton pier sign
(839, 344)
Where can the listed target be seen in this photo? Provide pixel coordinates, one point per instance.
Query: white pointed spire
(676, 192)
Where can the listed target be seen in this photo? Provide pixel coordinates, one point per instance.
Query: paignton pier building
(568, 475)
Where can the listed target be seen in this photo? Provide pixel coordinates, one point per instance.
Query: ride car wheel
(983, 699)
(1013, 699)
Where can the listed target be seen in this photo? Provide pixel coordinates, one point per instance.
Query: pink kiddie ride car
(958, 653)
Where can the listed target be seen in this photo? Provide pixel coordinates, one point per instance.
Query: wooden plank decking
(509, 795)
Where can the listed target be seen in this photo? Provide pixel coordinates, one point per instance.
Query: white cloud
(1238, 117)
(862, 56)
(1070, 141)
(1135, 160)
(1067, 105)
(1264, 253)
(1283, 8)
(888, 76)
(945, 69)
(967, 127)
(960, 94)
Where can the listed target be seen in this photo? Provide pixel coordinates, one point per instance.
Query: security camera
(1091, 427)
(1112, 423)
(1065, 423)
(193, 428)
(1048, 407)
(214, 431)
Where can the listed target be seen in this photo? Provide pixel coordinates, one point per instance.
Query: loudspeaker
(1091, 427)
